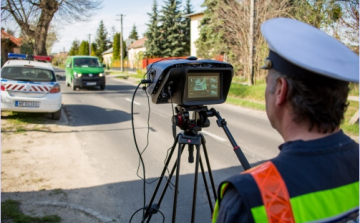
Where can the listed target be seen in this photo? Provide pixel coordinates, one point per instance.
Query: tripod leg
(206, 186)
(148, 209)
(195, 183)
(208, 166)
(167, 184)
(176, 185)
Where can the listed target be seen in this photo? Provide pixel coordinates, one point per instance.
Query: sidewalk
(353, 98)
(35, 172)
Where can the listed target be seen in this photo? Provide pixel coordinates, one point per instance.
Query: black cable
(143, 209)
(136, 145)
(141, 161)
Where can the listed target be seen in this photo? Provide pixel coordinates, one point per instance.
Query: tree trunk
(49, 7)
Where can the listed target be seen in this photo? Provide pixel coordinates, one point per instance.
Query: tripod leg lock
(153, 210)
(221, 122)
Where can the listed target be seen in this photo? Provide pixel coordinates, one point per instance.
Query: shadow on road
(94, 115)
(109, 89)
(119, 201)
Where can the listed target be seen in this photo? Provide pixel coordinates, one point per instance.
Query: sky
(134, 11)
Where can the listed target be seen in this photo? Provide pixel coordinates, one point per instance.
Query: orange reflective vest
(278, 206)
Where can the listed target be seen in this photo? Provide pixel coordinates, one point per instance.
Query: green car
(84, 71)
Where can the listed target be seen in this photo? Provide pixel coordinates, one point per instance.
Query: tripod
(192, 138)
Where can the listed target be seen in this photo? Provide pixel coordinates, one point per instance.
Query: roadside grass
(351, 110)
(254, 97)
(10, 212)
(125, 75)
(18, 122)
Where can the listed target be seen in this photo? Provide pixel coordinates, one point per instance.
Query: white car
(30, 86)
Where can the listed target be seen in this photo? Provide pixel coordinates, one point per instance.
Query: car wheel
(102, 87)
(56, 115)
(67, 83)
(73, 85)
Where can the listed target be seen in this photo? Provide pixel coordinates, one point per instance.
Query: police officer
(315, 177)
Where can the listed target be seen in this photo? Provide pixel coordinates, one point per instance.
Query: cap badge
(267, 64)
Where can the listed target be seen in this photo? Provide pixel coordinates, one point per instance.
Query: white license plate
(91, 83)
(27, 104)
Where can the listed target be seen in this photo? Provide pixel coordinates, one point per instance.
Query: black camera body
(189, 82)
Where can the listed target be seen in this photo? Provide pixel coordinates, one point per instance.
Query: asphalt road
(101, 121)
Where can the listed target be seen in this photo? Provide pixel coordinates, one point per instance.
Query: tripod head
(198, 121)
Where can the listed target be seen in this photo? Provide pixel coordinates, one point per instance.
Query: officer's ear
(281, 91)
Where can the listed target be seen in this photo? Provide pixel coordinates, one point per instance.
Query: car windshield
(86, 62)
(27, 74)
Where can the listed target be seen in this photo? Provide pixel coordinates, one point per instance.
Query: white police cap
(294, 44)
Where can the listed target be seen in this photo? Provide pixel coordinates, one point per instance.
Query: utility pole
(251, 44)
(89, 45)
(121, 42)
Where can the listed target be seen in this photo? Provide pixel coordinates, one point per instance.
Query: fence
(146, 62)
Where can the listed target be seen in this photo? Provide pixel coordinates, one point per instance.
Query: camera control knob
(177, 120)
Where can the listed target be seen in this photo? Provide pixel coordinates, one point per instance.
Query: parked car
(30, 86)
(84, 71)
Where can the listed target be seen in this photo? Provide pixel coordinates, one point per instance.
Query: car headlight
(101, 74)
(77, 74)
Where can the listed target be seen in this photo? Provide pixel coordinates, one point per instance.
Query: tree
(34, 17)
(116, 46)
(93, 49)
(52, 38)
(84, 48)
(138, 58)
(350, 22)
(134, 34)
(113, 32)
(74, 50)
(319, 13)
(187, 39)
(226, 30)
(172, 36)
(27, 45)
(101, 40)
(10, 31)
(152, 44)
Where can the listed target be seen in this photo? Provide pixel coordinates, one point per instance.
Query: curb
(77, 207)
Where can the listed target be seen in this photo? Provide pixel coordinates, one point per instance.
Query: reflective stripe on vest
(320, 206)
(274, 195)
(217, 208)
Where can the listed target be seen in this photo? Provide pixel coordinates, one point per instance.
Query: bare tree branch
(34, 16)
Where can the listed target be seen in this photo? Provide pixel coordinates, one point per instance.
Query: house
(9, 44)
(108, 54)
(134, 49)
(194, 29)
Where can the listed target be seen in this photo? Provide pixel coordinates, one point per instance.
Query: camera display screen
(203, 85)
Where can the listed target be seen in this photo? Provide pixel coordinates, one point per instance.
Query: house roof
(193, 14)
(138, 43)
(110, 50)
(5, 35)
(128, 42)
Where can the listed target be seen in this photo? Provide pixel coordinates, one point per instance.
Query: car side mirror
(104, 65)
(58, 76)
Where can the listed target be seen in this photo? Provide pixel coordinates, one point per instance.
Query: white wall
(194, 32)
(131, 55)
